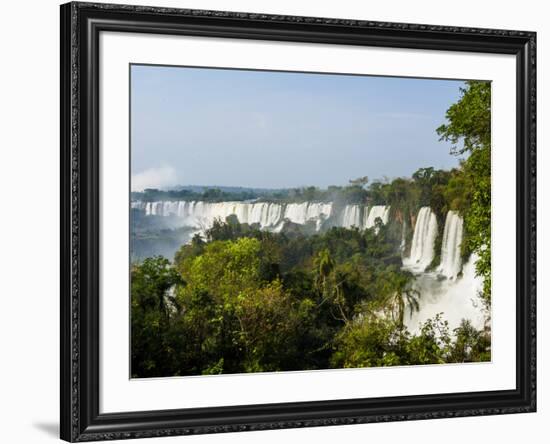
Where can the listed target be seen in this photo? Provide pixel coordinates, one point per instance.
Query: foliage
(375, 342)
(471, 345)
(152, 302)
(469, 127)
(469, 130)
(249, 301)
(360, 181)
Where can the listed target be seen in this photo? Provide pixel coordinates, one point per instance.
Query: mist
(160, 177)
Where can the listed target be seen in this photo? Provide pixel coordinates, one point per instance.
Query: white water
(352, 216)
(422, 248)
(270, 216)
(375, 212)
(451, 262)
(267, 215)
(456, 299)
(443, 291)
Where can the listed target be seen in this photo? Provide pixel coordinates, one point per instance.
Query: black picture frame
(81, 24)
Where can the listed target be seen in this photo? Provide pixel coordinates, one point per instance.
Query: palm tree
(401, 295)
(326, 282)
(323, 266)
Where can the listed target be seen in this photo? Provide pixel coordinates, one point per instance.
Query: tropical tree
(396, 294)
(469, 131)
(323, 266)
(153, 306)
(360, 181)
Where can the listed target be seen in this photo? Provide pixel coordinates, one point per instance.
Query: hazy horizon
(272, 130)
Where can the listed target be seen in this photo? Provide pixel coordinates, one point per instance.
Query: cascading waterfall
(451, 261)
(456, 299)
(422, 248)
(300, 213)
(269, 215)
(351, 216)
(375, 212)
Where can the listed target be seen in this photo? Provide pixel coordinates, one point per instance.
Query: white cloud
(160, 177)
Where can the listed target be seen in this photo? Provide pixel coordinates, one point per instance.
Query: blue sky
(200, 126)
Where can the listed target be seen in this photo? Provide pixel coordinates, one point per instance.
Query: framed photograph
(276, 221)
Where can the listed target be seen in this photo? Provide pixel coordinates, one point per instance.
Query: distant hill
(208, 193)
(226, 189)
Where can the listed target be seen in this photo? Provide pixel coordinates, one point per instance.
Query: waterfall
(269, 215)
(422, 249)
(456, 299)
(351, 216)
(300, 213)
(319, 212)
(375, 212)
(138, 205)
(451, 262)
